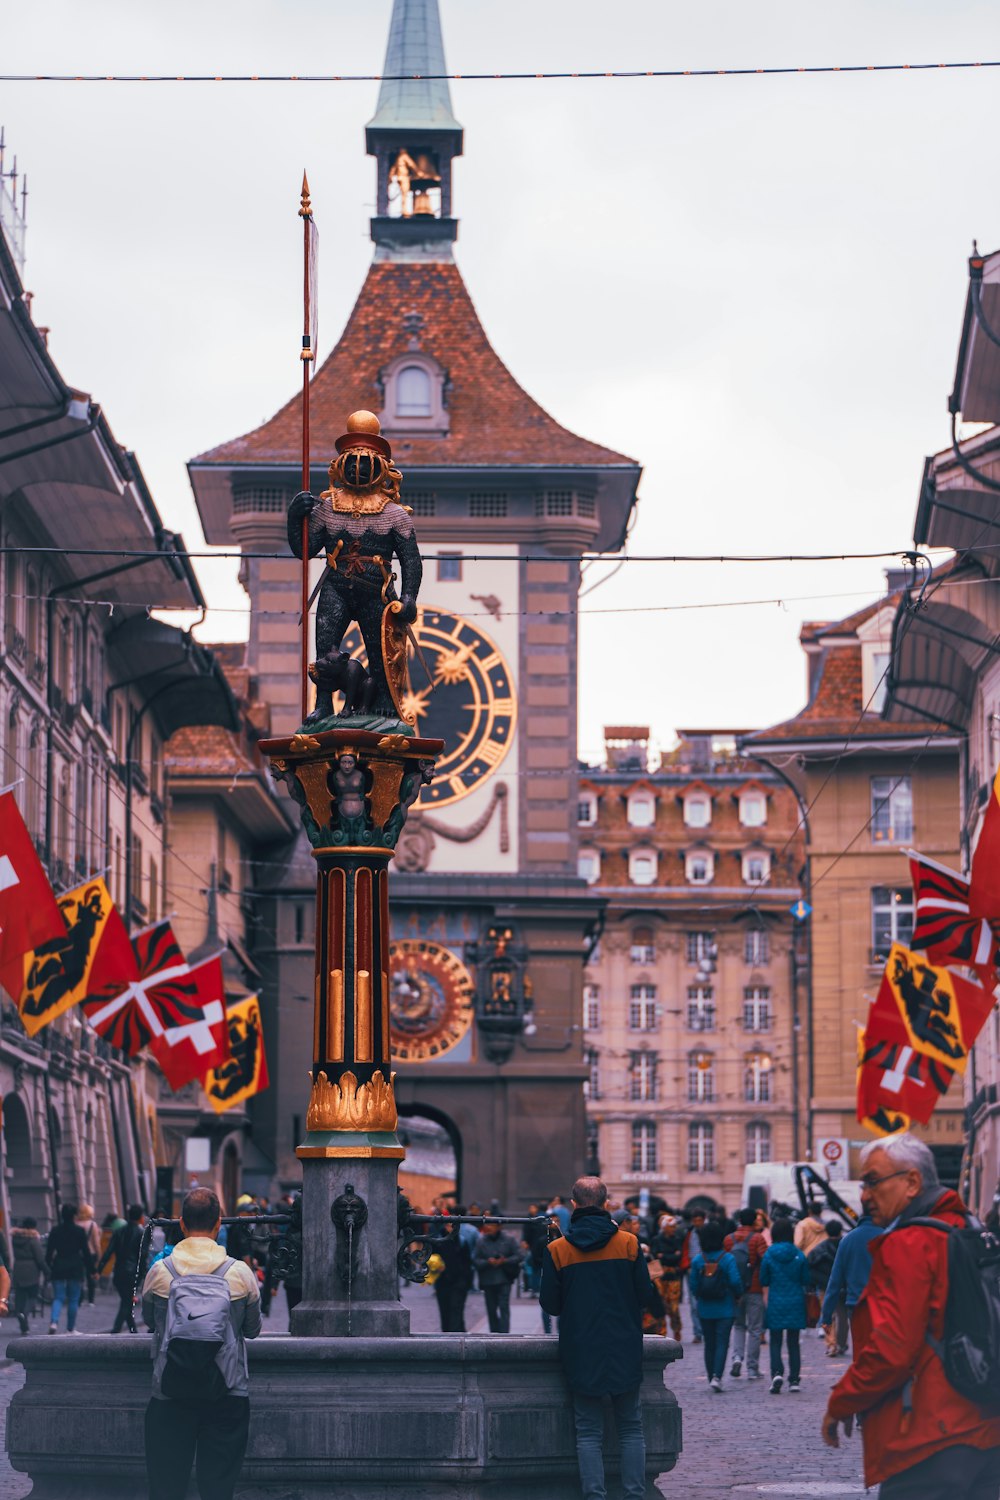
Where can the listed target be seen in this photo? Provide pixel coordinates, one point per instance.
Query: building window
(643, 1146)
(756, 867)
(756, 946)
(450, 567)
(698, 810)
(700, 947)
(488, 505)
(642, 1007)
(642, 866)
(642, 1076)
(593, 1061)
(699, 867)
(701, 1077)
(593, 1148)
(753, 809)
(586, 809)
(154, 883)
(641, 808)
(892, 919)
(892, 809)
(591, 1007)
(758, 1142)
(701, 1147)
(413, 392)
(757, 1078)
(588, 865)
(643, 949)
(756, 1009)
(880, 680)
(701, 1008)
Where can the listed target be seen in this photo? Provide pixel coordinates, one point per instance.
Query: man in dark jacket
(127, 1245)
(595, 1280)
(922, 1439)
(497, 1261)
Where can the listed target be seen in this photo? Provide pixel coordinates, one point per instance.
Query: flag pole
(307, 356)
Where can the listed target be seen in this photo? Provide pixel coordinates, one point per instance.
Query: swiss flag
(29, 912)
(195, 1036)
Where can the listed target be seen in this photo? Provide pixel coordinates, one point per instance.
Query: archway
(26, 1193)
(433, 1165)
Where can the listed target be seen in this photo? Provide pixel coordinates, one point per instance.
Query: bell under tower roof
(414, 137)
(415, 46)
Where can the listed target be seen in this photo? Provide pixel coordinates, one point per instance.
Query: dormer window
(756, 867)
(641, 810)
(753, 809)
(697, 810)
(643, 866)
(414, 387)
(413, 392)
(699, 867)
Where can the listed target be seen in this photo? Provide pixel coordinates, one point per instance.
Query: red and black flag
(244, 1072)
(946, 928)
(194, 1038)
(93, 959)
(131, 1020)
(941, 1013)
(984, 882)
(894, 1079)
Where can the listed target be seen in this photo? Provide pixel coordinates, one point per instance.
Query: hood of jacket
(783, 1251)
(591, 1229)
(25, 1234)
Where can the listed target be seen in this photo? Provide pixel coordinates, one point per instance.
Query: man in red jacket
(922, 1439)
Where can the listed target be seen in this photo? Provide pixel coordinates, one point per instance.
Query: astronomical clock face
(430, 1000)
(470, 706)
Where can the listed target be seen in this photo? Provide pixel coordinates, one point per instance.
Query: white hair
(906, 1152)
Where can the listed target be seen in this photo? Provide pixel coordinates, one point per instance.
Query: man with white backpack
(201, 1305)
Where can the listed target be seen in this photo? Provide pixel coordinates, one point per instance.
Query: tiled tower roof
(492, 420)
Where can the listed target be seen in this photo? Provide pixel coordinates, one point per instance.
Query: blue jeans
(715, 1332)
(68, 1292)
(588, 1414)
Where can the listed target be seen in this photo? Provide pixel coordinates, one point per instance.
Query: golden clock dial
(431, 1000)
(464, 697)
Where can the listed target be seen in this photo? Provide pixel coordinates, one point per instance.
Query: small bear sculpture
(341, 673)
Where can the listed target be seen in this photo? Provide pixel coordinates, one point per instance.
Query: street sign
(800, 910)
(832, 1151)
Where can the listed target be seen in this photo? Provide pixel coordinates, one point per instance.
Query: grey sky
(754, 286)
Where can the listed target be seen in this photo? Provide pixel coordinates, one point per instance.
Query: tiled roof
(835, 709)
(204, 750)
(493, 421)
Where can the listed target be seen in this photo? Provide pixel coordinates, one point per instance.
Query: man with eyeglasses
(922, 1439)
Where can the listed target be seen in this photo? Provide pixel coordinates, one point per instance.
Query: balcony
(36, 669)
(140, 781)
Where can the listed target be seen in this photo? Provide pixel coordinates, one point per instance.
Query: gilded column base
(350, 1145)
(348, 1105)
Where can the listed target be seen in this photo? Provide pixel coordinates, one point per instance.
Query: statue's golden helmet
(363, 455)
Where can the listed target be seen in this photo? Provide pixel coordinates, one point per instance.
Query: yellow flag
(244, 1071)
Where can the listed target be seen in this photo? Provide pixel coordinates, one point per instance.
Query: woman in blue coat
(784, 1273)
(716, 1285)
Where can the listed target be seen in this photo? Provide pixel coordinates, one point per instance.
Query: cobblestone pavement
(742, 1444)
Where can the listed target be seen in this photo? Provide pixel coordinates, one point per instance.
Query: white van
(794, 1182)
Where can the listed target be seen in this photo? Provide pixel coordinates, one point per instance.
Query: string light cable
(524, 76)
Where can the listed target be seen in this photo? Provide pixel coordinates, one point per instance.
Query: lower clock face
(430, 1000)
(462, 692)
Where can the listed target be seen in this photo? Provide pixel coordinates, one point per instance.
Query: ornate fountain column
(354, 788)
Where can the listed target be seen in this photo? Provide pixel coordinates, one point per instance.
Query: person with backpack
(925, 1381)
(128, 1248)
(716, 1286)
(201, 1306)
(747, 1247)
(784, 1271)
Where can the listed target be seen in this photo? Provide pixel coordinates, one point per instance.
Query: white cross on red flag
(29, 912)
(195, 1036)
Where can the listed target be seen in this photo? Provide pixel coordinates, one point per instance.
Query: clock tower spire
(414, 136)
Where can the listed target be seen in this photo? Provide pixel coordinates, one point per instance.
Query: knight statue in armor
(361, 526)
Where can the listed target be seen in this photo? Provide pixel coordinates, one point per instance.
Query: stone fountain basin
(431, 1417)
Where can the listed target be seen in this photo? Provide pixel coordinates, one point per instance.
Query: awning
(182, 682)
(977, 377)
(959, 516)
(937, 656)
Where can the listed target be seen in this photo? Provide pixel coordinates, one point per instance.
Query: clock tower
(491, 923)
